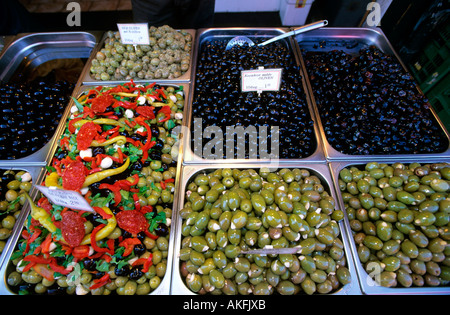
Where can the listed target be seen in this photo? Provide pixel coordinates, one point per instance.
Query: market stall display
(115, 151)
(360, 182)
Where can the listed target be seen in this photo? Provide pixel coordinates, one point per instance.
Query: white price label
(66, 198)
(134, 34)
(261, 80)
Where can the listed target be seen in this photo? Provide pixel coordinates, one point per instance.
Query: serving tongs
(241, 40)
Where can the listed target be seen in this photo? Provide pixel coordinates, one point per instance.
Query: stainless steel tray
(190, 171)
(88, 80)
(38, 48)
(351, 40)
(35, 173)
(164, 287)
(252, 33)
(368, 286)
(34, 50)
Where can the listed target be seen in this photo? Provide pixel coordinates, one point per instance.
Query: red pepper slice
(147, 262)
(37, 259)
(94, 241)
(81, 252)
(57, 268)
(146, 111)
(104, 215)
(129, 245)
(98, 283)
(152, 236)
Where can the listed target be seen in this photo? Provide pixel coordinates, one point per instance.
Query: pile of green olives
(167, 57)
(12, 186)
(228, 211)
(399, 215)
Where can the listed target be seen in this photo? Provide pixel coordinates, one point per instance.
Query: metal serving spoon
(241, 40)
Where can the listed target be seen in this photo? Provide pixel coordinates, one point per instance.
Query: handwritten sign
(66, 198)
(134, 34)
(261, 80)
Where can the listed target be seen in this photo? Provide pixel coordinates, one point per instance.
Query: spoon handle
(301, 29)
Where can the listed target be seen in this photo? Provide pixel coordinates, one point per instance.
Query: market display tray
(350, 41)
(87, 79)
(189, 172)
(29, 51)
(367, 282)
(255, 34)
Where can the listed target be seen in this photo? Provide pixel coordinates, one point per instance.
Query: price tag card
(134, 34)
(66, 198)
(261, 80)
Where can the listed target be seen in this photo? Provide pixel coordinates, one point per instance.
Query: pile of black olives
(370, 105)
(30, 114)
(218, 99)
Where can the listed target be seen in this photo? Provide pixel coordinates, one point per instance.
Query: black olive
(98, 150)
(56, 290)
(122, 272)
(139, 249)
(162, 230)
(89, 264)
(135, 273)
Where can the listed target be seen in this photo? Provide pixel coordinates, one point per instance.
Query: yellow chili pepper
(82, 100)
(103, 233)
(41, 215)
(52, 180)
(125, 94)
(102, 121)
(96, 177)
(121, 140)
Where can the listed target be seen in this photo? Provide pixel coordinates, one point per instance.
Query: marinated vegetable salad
(118, 152)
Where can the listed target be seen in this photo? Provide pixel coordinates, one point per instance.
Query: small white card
(66, 198)
(261, 80)
(134, 34)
